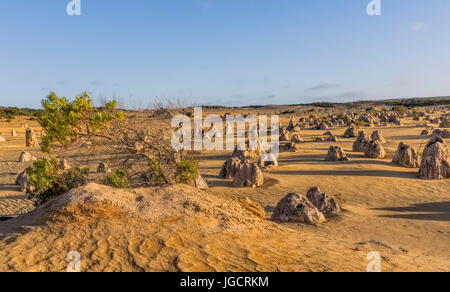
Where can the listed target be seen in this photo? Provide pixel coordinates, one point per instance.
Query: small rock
(323, 203)
(297, 208)
(103, 168)
(25, 157)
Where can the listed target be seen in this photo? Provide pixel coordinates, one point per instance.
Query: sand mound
(178, 228)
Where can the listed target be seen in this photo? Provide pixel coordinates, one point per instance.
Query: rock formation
(378, 136)
(229, 168)
(406, 156)
(25, 157)
(374, 149)
(103, 168)
(248, 175)
(336, 153)
(435, 160)
(297, 208)
(30, 138)
(322, 202)
(267, 159)
(361, 142)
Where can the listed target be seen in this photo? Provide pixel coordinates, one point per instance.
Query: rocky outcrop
(378, 136)
(267, 160)
(284, 135)
(64, 165)
(406, 156)
(336, 153)
(361, 142)
(229, 168)
(248, 175)
(30, 139)
(445, 122)
(200, 183)
(296, 139)
(26, 157)
(297, 208)
(435, 160)
(22, 182)
(374, 149)
(441, 133)
(322, 202)
(103, 168)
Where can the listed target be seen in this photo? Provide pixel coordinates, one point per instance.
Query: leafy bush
(47, 182)
(42, 175)
(186, 171)
(64, 121)
(118, 179)
(156, 174)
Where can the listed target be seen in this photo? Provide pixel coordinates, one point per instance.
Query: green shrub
(64, 121)
(42, 175)
(47, 182)
(156, 174)
(118, 179)
(186, 171)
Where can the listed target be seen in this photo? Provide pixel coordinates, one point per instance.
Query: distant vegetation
(12, 112)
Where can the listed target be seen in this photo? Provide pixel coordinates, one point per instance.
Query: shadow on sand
(362, 173)
(439, 211)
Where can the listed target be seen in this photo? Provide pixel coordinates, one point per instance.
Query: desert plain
(386, 208)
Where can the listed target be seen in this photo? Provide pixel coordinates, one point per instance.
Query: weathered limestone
(229, 168)
(378, 136)
(435, 160)
(361, 142)
(297, 208)
(26, 157)
(374, 149)
(30, 138)
(336, 153)
(103, 168)
(248, 175)
(406, 156)
(322, 202)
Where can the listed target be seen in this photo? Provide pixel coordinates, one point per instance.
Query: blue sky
(229, 52)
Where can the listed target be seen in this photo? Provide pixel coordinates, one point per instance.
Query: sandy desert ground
(387, 208)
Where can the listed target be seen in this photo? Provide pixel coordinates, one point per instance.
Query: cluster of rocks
(441, 133)
(295, 143)
(310, 209)
(390, 118)
(372, 148)
(243, 172)
(293, 126)
(445, 122)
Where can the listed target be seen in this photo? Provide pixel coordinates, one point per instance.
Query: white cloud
(209, 4)
(418, 26)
